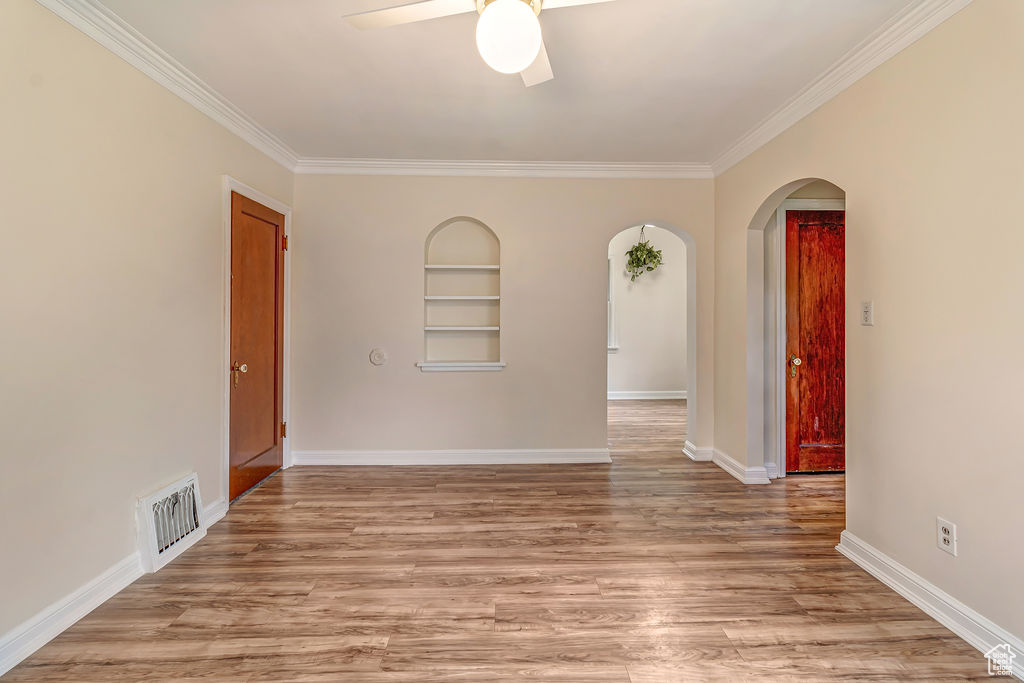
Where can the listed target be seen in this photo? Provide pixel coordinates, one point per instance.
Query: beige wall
(818, 189)
(930, 152)
(358, 284)
(112, 302)
(650, 316)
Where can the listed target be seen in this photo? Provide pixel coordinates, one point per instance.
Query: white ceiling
(635, 80)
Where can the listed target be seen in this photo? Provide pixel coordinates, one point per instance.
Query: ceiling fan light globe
(508, 36)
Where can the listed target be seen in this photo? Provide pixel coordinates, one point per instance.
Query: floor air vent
(170, 521)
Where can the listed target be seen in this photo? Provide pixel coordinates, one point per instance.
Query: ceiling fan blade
(555, 4)
(539, 71)
(410, 13)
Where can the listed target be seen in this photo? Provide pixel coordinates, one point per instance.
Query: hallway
(654, 568)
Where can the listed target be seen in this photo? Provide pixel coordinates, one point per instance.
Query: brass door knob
(794, 362)
(236, 369)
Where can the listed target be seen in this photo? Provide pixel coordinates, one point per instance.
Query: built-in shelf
(461, 328)
(431, 266)
(462, 298)
(460, 366)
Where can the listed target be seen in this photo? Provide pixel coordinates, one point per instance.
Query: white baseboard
(28, 637)
(696, 453)
(748, 475)
(645, 395)
(465, 457)
(215, 511)
(772, 470)
(975, 629)
(31, 635)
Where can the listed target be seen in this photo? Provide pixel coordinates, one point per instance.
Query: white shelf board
(460, 328)
(462, 298)
(460, 366)
(472, 267)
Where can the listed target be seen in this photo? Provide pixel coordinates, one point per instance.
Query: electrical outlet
(867, 313)
(945, 535)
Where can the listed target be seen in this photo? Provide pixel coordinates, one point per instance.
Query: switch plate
(945, 535)
(867, 313)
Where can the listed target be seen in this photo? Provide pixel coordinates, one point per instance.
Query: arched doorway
(687, 351)
(772, 368)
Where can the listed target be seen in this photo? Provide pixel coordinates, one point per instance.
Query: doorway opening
(651, 338)
(796, 330)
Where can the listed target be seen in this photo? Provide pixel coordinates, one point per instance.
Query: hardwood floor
(654, 568)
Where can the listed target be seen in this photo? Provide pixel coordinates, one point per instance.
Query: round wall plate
(378, 356)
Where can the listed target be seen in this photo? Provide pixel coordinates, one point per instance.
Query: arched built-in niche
(462, 298)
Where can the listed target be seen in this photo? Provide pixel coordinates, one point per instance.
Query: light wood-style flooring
(652, 569)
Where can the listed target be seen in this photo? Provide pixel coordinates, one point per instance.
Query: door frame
(230, 185)
(775, 341)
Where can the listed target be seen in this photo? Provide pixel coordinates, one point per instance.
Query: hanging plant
(642, 258)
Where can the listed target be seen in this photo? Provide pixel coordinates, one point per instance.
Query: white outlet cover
(378, 356)
(867, 313)
(945, 535)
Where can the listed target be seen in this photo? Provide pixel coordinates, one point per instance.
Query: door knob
(236, 369)
(794, 362)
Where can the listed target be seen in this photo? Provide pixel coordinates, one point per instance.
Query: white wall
(650, 317)
(554, 243)
(111, 297)
(929, 150)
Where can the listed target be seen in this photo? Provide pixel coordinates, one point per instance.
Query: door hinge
(284, 430)
(284, 242)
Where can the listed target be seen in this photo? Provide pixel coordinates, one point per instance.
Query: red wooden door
(257, 335)
(816, 341)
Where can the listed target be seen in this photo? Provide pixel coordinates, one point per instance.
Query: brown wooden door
(816, 341)
(257, 335)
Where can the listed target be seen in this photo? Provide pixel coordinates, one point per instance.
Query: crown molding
(902, 30)
(110, 31)
(99, 23)
(508, 169)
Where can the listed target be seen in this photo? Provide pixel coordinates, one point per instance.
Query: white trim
(30, 635)
(901, 31)
(775, 335)
(799, 204)
(109, 30)
(215, 511)
(447, 366)
(613, 328)
(645, 395)
(480, 266)
(21, 641)
(976, 629)
(504, 169)
(462, 328)
(696, 453)
(748, 475)
(230, 185)
(459, 457)
(98, 22)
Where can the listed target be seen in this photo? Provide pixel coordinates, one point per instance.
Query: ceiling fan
(508, 32)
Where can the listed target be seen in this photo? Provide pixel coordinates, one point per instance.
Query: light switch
(867, 313)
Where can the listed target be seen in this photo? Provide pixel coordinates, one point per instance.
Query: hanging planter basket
(642, 258)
